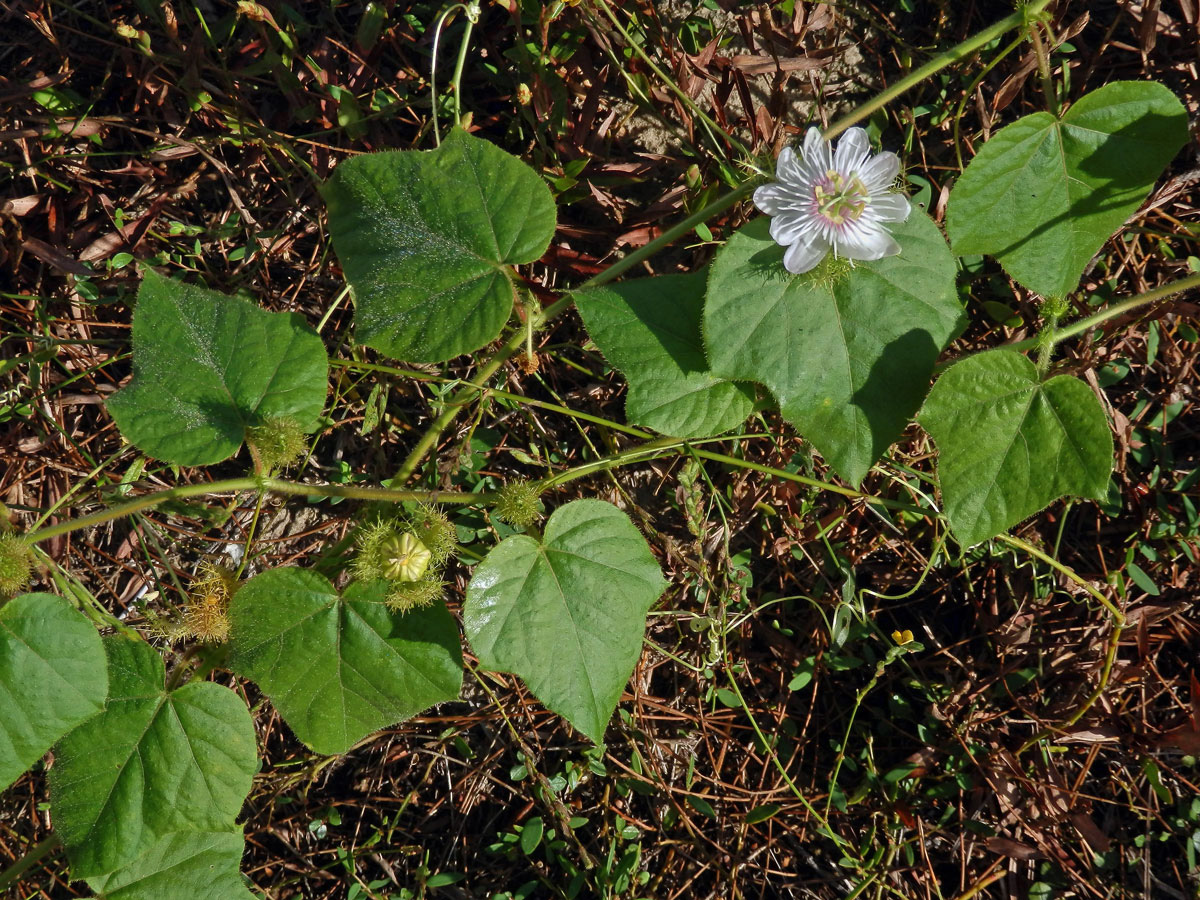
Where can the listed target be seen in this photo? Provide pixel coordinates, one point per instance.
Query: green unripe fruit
(404, 557)
(406, 551)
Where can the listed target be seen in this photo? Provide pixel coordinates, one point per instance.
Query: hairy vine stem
(1111, 312)
(262, 485)
(1043, 64)
(652, 448)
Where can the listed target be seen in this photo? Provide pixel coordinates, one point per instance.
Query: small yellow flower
(902, 637)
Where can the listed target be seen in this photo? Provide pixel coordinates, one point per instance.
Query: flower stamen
(840, 198)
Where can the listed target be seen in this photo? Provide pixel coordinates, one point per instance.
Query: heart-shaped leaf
(649, 329)
(1009, 443)
(427, 238)
(52, 677)
(567, 613)
(153, 762)
(1044, 194)
(207, 366)
(848, 356)
(198, 865)
(338, 667)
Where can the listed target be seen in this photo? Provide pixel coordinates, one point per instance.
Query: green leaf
(848, 356)
(531, 834)
(444, 879)
(207, 366)
(338, 667)
(1044, 194)
(427, 238)
(567, 613)
(153, 762)
(762, 813)
(649, 329)
(1009, 444)
(1139, 577)
(52, 677)
(198, 865)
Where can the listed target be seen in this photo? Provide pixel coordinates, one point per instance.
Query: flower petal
(868, 241)
(817, 158)
(791, 227)
(853, 148)
(878, 174)
(788, 168)
(889, 207)
(772, 198)
(803, 255)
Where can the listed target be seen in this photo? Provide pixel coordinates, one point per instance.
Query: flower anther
(833, 200)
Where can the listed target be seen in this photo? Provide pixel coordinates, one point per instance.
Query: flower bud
(518, 504)
(277, 442)
(16, 564)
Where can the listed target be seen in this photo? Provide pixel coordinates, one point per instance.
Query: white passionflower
(835, 201)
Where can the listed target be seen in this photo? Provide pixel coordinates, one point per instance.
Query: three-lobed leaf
(848, 357)
(427, 239)
(1009, 443)
(198, 865)
(207, 366)
(649, 329)
(567, 613)
(153, 762)
(341, 666)
(1045, 193)
(53, 676)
